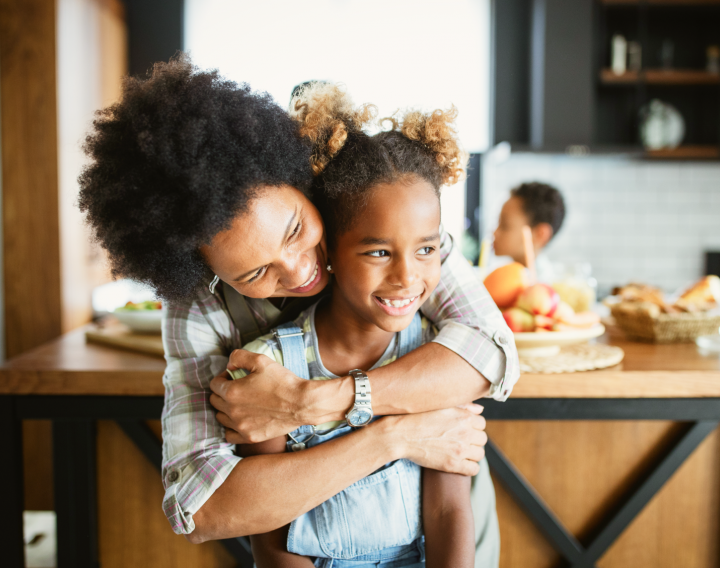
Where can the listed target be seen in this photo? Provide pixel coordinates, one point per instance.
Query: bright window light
(424, 54)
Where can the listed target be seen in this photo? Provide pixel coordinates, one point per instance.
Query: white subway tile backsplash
(647, 221)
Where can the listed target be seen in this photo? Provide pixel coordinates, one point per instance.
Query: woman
(196, 186)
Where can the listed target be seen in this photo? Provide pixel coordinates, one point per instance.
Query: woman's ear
(542, 233)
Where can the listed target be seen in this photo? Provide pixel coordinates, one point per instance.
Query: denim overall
(377, 520)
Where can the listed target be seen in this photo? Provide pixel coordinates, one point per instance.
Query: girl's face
(387, 264)
(276, 248)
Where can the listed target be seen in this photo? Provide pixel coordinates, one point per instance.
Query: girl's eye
(378, 253)
(426, 250)
(257, 275)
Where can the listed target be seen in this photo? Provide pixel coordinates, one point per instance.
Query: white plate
(546, 344)
(141, 321)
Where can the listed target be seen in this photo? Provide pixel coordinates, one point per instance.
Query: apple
(582, 320)
(544, 323)
(564, 312)
(519, 320)
(539, 299)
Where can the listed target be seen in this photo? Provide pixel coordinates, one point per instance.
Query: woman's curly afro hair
(349, 163)
(172, 163)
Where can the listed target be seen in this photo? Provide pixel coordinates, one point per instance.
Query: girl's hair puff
(349, 163)
(326, 115)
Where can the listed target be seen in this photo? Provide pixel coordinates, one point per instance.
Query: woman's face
(276, 248)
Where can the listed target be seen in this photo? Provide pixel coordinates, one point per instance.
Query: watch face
(359, 417)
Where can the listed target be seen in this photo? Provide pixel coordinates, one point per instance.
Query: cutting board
(120, 336)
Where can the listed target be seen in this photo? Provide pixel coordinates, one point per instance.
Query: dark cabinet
(553, 86)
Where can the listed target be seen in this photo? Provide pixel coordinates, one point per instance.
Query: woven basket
(666, 328)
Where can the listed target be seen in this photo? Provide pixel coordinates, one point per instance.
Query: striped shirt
(199, 335)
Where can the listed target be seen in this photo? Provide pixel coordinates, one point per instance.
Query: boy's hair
(348, 163)
(542, 203)
(174, 161)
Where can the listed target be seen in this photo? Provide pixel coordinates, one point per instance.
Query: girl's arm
(270, 549)
(447, 520)
(473, 356)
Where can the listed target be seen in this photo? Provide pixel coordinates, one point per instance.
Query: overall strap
(411, 336)
(241, 315)
(292, 345)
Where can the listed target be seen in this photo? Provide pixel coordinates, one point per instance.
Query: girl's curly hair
(174, 162)
(348, 163)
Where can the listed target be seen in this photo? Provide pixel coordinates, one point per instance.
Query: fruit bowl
(548, 343)
(141, 321)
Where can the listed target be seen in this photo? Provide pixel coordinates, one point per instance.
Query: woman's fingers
(472, 407)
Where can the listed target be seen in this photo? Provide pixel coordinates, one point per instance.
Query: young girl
(379, 196)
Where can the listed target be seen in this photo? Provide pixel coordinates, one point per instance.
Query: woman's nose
(295, 268)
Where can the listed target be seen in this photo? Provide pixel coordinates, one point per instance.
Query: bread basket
(648, 325)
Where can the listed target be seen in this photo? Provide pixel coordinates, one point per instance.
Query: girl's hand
(451, 440)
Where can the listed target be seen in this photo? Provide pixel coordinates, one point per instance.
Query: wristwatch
(361, 413)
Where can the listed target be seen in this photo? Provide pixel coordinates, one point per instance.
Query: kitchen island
(619, 467)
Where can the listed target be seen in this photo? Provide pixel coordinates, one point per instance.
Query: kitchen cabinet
(553, 88)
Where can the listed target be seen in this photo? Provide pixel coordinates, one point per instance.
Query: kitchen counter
(578, 457)
(70, 366)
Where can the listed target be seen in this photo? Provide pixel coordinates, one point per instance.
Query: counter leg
(11, 477)
(74, 459)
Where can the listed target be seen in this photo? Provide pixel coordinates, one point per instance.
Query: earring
(329, 267)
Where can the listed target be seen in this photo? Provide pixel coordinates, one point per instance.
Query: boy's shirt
(270, 346)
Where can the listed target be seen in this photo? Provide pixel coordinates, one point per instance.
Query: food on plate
(519, 320)
(702, 296)
(134, 307)
(538, 299)
(504, 284)
(536, 308)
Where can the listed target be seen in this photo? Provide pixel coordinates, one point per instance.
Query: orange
(505, 284)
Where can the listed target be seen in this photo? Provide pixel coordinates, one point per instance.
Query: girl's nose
(404, 273)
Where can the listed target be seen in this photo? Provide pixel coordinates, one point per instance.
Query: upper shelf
(661, 77)
(661, 2)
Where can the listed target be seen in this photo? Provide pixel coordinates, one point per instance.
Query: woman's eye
(257, 275)
(378, 253)
(296, 230)
(426, 250)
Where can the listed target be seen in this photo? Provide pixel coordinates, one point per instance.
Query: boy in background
(539, 206)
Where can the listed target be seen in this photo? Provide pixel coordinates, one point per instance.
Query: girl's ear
(329, 266)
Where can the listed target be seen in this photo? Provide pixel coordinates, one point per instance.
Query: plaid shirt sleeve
(197, 336)
(470, 323)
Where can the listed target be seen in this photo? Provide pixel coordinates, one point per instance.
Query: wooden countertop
(70, 366)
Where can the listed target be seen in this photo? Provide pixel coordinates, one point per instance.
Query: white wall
(392, 53)
(633, 220)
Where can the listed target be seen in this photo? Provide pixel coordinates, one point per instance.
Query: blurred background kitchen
(614, 102)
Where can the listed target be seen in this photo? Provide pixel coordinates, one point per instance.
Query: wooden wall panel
(132, 526)
(29, 172)
(30, 224)
(580, 469)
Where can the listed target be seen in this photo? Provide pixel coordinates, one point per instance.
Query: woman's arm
(447, 520)
(269, 549)
(263, 493)
(473, 356)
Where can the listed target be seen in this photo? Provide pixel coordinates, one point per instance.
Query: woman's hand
(263, 405)
(451, 440)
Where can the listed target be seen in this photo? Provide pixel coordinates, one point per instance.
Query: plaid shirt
(199, 335)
